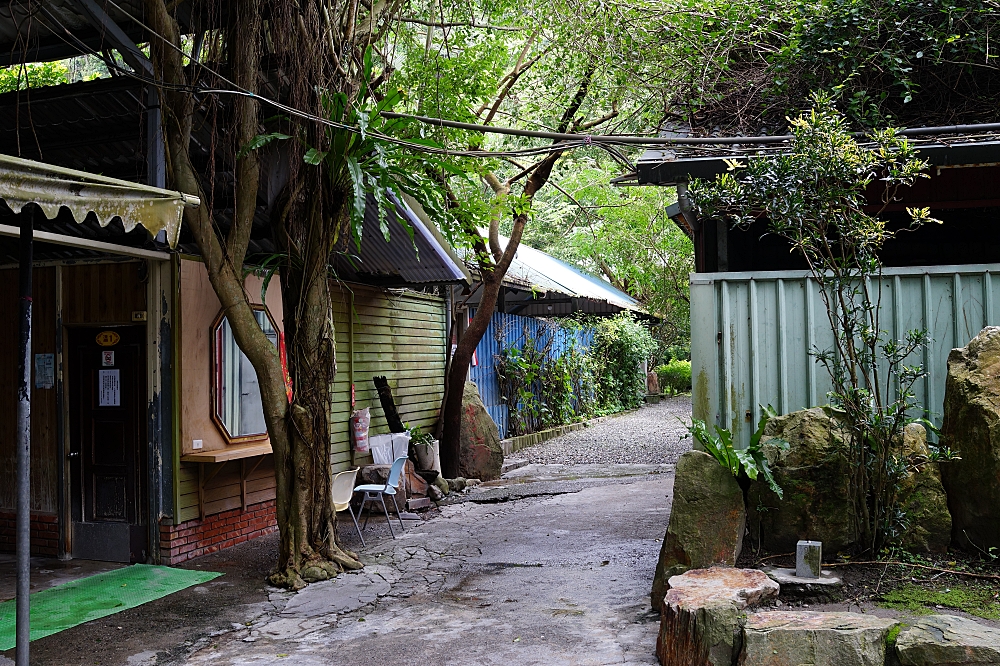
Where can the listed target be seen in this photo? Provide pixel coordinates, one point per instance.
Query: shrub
(675, 376)
(620, 346)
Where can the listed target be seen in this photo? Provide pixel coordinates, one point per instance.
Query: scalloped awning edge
(52, 187)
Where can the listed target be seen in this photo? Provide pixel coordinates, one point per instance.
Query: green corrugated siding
(399, 335)
(752, 336)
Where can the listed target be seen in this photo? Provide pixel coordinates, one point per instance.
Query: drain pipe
(23, 539)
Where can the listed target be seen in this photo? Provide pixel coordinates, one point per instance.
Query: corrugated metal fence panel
(751, 334)
(506, 330)
(399, 334)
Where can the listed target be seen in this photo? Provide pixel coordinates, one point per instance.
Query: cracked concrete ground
(557, 578)
(550, 565)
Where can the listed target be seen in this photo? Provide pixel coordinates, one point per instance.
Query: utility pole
(23, 625)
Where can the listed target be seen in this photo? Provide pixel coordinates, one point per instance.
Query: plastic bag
(360, 420)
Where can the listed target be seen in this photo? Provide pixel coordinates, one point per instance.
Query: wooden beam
(86, 244)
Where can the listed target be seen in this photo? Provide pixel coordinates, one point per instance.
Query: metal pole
(23, 630)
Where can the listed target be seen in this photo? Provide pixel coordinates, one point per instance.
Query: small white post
(808, 556)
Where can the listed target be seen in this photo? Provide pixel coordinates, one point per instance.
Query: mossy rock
(707, 521)
(972, 428)
(923, 499)
(813, 473)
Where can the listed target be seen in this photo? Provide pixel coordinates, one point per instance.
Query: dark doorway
(107, 442)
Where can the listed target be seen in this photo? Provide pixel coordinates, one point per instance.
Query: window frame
(215, 377)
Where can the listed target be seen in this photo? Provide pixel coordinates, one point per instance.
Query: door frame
(85, 533)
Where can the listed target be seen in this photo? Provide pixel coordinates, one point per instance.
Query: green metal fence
(751, 334)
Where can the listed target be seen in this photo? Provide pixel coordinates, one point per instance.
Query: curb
(513, 444)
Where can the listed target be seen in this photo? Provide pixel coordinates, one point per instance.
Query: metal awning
(52, 187)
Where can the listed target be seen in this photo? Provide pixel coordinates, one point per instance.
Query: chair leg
(398, 514)
(363, 508)
(361, 536)
(387, 521)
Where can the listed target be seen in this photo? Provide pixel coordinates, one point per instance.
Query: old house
(755, 315)
(184, 466)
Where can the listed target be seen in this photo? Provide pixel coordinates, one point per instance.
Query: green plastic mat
(79, 601)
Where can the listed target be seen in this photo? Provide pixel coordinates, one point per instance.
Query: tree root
(345, 558)
(287, 578)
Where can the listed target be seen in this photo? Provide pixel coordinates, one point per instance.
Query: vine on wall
(552, 377)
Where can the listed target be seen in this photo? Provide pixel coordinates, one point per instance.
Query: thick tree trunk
(300, 432)
(459, 370)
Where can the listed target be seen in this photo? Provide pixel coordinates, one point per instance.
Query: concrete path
(551, 566)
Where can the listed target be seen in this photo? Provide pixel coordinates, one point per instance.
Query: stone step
(510, 464)
(789, 638)
(946, 640)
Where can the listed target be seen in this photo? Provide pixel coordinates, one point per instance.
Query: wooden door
(107, 385)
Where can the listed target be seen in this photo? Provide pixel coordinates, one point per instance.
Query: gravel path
(651, 435)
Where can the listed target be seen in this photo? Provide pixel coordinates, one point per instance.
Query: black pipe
(23, 627)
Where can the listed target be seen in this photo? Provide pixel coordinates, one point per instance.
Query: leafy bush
(35, 75)
(675, 376)
(620, 346)
(744, 464)
(543, 388)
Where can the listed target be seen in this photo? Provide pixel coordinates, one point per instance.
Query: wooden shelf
(229, 453)
(240, 453)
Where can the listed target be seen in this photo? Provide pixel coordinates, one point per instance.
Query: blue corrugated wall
(506, 330)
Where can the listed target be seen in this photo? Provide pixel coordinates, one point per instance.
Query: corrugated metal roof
(422, 258)
(534, 270)
(32, 30)
(52, 188)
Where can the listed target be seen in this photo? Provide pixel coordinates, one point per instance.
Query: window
(236, 404)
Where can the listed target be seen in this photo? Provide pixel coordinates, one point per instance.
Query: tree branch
(459, 24)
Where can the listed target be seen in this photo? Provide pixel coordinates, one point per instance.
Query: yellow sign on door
(108, 338)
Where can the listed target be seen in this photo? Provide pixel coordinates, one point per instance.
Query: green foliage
(907, 62)
(814, 197)
(32, 75)
(675, 375)
(621, 344)
(418, 436)
(972, 599)
(748, 463)
(543, 389)
(623, 234)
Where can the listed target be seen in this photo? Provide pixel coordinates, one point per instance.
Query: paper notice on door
(45, 375)
(109, 389)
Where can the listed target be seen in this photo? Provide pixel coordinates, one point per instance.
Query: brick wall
(44, 533)
(194, 538)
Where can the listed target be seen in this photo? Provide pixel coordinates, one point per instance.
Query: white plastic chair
(342, 490)
(375, 491)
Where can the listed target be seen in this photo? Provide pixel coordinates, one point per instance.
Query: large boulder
(480, 456)
(972, 428)
(791, 638)
(947, 640)
(813, 473)
(707, 521)
(701, 614)
(922, 497)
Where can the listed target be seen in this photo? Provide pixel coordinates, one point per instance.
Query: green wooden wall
(399, 334)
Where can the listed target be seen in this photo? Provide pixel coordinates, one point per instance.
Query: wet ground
(551, 565)
(556, 576)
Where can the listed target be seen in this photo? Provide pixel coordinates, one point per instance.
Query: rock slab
(806, 588)
(813, 473)
(707, 521)
(947, 640)
(700, 617)
(480, 455)
(792, 638)
(922, 498)
(972, 428)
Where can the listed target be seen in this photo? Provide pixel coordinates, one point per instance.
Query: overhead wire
(711, 146)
